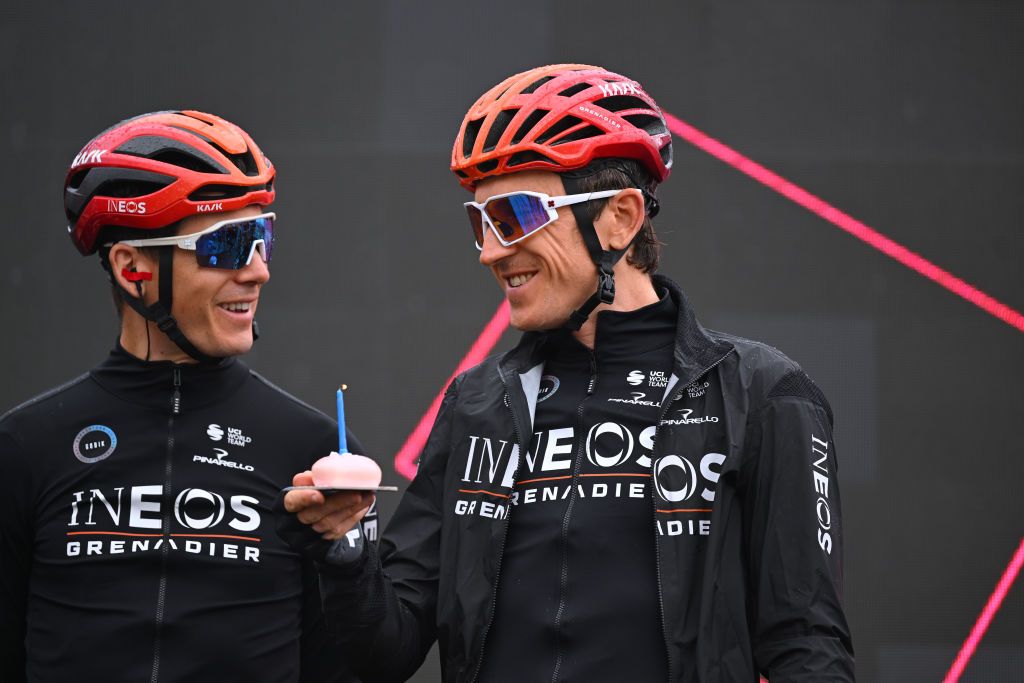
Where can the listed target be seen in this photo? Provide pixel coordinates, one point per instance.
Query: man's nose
(493, 251)
(257, 270)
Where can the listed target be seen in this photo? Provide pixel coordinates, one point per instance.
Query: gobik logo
(94, 443)
(548, 386)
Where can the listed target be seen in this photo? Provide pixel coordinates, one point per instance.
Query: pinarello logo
(215, 432)
(635, 378)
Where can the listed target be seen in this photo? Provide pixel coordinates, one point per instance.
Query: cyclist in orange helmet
(624, 496)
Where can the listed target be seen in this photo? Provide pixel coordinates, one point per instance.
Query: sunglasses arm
(569, 199)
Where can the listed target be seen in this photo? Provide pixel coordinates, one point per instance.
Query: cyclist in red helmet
(625, 496)
(135, 535)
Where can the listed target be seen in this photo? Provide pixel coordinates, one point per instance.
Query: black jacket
(136, 533)
(770, 592)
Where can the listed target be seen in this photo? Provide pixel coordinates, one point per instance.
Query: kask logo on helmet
(88, 156)
(624, 88)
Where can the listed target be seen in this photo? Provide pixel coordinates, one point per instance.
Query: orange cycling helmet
(569, 119)
(561, 118)
(153, 170)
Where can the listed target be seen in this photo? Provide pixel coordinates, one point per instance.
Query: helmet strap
(160, 311)
(604, 259)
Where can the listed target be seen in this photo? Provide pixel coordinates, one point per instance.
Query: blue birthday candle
(342, 441)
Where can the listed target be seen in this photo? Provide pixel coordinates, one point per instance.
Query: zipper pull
(176, 399)
(593, 374)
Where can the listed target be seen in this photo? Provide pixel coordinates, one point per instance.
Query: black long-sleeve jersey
(136, 535)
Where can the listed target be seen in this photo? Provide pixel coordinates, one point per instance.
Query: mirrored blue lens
(229, 247)
(517, 215)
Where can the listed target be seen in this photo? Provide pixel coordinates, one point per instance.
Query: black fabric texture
(139, 543)
(797, 383)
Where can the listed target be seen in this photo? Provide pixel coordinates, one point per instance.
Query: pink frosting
(346, 471)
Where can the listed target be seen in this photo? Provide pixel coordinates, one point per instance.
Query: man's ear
(130, 268)
(621, 218)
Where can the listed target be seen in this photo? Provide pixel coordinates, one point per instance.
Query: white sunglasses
(514, 216)
(228, 244)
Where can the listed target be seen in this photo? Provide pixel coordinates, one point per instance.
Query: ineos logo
(824, 514)
(687, 477)
(676, 479)
(181, 503)
(625, 438)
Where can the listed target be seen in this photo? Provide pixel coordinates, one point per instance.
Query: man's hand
(310, 522)
(332, 517)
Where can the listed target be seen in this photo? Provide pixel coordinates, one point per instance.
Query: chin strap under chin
(604, 259)
(160, 311)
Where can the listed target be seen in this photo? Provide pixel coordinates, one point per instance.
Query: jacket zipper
(577, 465)
(654, 508)
(166, 526)
(504, 536)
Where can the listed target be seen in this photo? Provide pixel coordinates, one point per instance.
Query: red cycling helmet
(560, 118)
(153, 170)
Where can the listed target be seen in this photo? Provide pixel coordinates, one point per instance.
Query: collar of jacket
(695, 351)
(151, 383)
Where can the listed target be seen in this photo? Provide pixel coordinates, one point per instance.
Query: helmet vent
(245, 162)
(76, 179)
(620, 102)
(501, 122)
(572, 90)
(170, 151)
(652, 124)
(536, 84)
(177, 158)
(532, 120)
(128, 188)
(581, 134)
(487, 166)
(561, 126)
(208, 193)
(525, 157)
(469, 139)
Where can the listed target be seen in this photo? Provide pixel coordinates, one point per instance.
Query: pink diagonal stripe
(405, 459)
(991, 607)
(846, 222)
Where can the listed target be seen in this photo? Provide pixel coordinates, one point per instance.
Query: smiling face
(215, 308)
(547, 275)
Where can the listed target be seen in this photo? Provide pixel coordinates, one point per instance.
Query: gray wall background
(908, 115)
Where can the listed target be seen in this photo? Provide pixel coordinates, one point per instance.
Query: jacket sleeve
(321, 659)
(382, 606)
(794, 538)
(15, 556)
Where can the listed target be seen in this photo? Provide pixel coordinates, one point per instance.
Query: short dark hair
(614, 174)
